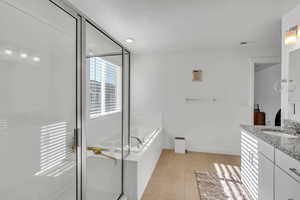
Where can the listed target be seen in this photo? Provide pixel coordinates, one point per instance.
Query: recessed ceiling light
(8, 51)
(36, 59)
(23, 55)
(129, 40)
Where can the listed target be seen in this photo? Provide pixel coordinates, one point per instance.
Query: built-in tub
(138, 167)
(140, 164)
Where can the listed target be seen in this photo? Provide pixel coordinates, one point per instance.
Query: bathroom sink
(279, 133)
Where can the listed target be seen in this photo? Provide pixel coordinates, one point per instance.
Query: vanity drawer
(286, 188)
(288, 164)
(266, 149)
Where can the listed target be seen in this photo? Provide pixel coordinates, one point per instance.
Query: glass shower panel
(126, 105)
(103, 125)
(38, 101)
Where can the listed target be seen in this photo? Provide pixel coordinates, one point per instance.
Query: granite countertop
(289, 146)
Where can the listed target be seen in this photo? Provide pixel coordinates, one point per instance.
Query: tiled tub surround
(289, 146)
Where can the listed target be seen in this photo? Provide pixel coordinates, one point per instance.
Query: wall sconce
(298, 31)
(291, 35)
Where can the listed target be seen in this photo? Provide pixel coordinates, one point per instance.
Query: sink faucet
(140, 142)
(292, 126)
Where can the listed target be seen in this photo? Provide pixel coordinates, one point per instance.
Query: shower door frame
(81, 112)
(78, 130)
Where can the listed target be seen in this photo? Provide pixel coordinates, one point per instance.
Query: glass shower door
(37, 102)
(103, 116)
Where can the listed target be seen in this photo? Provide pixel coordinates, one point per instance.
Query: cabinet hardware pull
(294, 170)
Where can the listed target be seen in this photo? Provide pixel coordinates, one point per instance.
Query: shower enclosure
(64, 104)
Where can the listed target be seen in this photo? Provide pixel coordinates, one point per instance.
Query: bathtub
(140, 164)
(138, 167)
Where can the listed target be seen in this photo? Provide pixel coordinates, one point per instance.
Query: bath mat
(221, 186)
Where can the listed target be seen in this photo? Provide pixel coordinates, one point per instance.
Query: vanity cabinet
(289, 165)
(268, 173)
(286, 188)
(265, 178)
(257, 167)
(287, 177)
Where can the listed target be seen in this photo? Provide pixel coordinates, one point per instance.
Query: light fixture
(129, 40)
(36, 59)
(8, 52)
(291, 36)
(23, 55)
(298, 31)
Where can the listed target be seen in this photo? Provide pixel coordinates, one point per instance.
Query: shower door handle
(75, 140)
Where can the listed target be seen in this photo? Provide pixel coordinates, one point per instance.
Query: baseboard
(212, 151)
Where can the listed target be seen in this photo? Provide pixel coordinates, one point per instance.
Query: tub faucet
(137, 139)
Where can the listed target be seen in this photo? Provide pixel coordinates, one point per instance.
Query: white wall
(264, 93)
(162, 82)
(289, 20)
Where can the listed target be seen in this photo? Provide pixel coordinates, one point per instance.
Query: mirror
(294, 85)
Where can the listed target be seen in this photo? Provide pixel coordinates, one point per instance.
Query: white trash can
(179, 145)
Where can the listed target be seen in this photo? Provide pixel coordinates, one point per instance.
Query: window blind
(105, 87)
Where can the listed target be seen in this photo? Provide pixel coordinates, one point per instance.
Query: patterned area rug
(221, 186)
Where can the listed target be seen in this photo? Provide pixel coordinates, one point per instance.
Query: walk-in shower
(38, 60)
(64, 104)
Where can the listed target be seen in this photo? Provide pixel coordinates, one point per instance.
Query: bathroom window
(105, 87)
